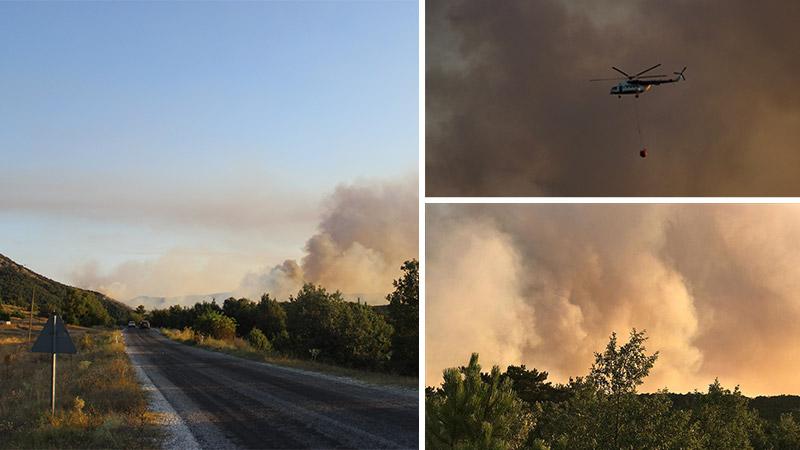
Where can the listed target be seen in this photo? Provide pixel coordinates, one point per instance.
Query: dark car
(144, 324)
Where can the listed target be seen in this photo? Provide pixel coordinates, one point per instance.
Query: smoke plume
(367, 230)
(510, 110)
(715, 286)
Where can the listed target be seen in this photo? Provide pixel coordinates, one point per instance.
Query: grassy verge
(99, 403)
(241, 348)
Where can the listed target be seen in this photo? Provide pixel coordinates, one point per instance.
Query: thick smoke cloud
(367, 230)
(510, 110)
(715, 286)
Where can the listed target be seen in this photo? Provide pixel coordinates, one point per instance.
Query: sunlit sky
(129, 131)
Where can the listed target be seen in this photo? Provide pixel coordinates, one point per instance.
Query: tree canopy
(601, 410)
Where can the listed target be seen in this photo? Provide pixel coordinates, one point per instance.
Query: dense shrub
(216, 325)
(346, 333)
(258, 340)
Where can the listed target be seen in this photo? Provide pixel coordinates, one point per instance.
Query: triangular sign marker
(62, 342)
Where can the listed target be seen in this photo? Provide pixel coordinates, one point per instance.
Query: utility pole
(53, 382)
(30, 318)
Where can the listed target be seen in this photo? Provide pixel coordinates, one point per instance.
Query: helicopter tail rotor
(680, 74)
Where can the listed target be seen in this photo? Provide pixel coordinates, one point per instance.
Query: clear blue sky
(115, 115)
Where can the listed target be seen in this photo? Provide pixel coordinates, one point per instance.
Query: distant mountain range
(18, 283)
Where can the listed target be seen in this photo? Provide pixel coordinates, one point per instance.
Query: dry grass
(99, 403)
(241, 348)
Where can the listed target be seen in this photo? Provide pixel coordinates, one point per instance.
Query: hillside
(77, 306)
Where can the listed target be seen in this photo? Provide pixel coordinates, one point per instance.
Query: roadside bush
(346, 333)
(216, 325)
(258, 340)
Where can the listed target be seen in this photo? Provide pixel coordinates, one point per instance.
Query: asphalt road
(229, 402)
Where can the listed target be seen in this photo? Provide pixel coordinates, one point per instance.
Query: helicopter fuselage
(627, 88)
(636, 87)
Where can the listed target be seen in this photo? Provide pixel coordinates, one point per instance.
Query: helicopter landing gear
(619, 96)
(637, 95)
(643, 153)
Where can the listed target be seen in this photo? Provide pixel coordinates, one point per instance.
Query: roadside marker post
(53, 339)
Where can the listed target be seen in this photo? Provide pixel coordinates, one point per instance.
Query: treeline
(77, 306)
(316, 324)
(520, 409)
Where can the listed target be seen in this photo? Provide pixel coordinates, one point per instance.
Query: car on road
(144, 324)
(132, 324)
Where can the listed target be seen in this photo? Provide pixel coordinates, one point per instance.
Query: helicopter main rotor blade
(608, 79)
(645, 71)
(653, 76)
(628, 76)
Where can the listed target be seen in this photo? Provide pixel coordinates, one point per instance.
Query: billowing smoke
(280, 281)
(510, 110)
(367, 230)
(715, 286)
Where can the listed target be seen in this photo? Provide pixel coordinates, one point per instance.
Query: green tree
(216, 325)
(270, 317)
(603, 409)
(619, 370)
(345, 332)
(531, 385)
(363, 337)
(84, 308)
(786, 434)
(474, 412)
(404, 317)
(243, 311)
(726, 420)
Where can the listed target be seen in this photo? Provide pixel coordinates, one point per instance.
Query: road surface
(229, 402)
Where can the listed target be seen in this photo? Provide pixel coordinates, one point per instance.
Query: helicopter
(638, 84)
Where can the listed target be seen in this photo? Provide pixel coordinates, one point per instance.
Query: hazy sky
(717, 287)
(204, 134)
(510, 110)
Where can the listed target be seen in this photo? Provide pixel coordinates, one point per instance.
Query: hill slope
(76, 305)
